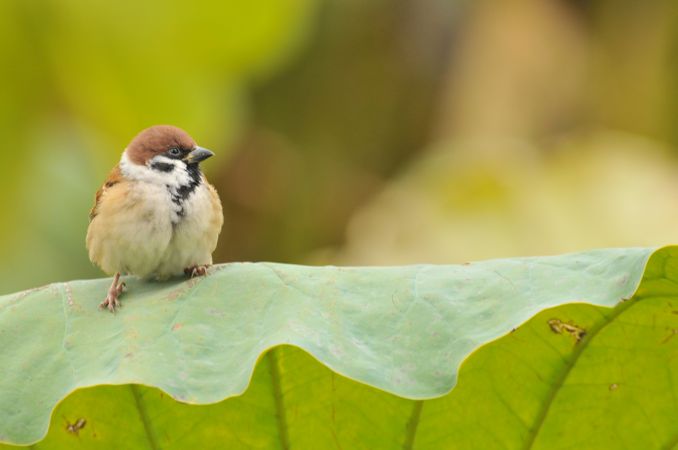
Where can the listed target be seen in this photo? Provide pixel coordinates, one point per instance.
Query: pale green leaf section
(404, 330)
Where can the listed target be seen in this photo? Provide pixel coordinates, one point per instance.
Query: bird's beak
(197, 155)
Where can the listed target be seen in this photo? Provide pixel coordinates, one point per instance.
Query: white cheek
(173, 179)
(163, 159)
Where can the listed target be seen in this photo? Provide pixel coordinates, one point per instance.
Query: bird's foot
(114, 292)
(196, 271)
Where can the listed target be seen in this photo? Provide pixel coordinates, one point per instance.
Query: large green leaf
(578, 375)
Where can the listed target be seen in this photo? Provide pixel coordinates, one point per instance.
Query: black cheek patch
(162, 167)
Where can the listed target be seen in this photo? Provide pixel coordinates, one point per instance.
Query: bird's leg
(196, 271)
(114, 292)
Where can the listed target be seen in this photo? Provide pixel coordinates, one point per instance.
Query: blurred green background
(348, 131)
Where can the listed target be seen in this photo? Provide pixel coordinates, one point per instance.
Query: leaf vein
(569, 366)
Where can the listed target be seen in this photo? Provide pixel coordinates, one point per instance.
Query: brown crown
(156, 140)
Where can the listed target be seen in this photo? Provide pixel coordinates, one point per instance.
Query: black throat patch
(184, 191)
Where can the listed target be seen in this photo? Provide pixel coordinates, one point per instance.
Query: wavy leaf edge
(650, 255)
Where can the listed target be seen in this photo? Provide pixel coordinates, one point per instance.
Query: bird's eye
(174, 151)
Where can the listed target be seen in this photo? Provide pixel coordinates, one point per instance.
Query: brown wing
(114, 178)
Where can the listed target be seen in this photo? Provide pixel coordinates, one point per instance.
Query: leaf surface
(330, 335)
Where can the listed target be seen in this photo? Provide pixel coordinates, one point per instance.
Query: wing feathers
(114, 178)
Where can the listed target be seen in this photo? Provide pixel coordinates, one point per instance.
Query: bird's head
(164, 147)
(164, 154)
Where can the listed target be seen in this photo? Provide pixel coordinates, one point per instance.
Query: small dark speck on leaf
(177, 326)
(74, 428)
(560, 327)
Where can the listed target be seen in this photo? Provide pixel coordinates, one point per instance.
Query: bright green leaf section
(402, 329)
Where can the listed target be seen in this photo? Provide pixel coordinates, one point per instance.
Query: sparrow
(156, 216)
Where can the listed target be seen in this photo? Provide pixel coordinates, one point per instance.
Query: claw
(111, 302)
(196, 271)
